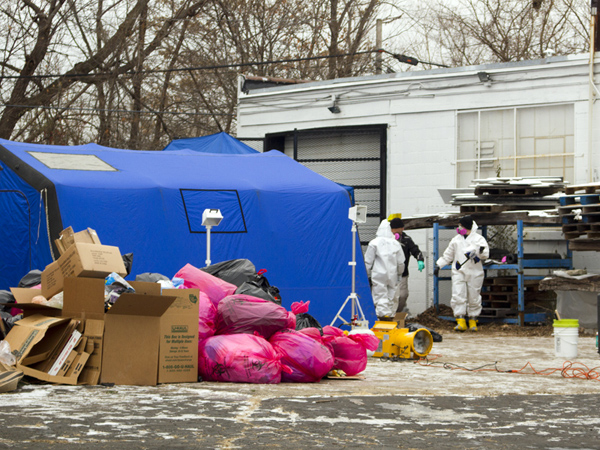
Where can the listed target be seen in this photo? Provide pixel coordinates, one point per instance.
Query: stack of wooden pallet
(579, 212)
(511, 194)
(500, 297)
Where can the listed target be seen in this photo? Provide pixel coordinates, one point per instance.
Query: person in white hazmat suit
(466, 252)
(384, 259)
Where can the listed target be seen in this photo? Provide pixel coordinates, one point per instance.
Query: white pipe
(591, 98)
(208, 245)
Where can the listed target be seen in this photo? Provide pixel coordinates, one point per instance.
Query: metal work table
(520, 268)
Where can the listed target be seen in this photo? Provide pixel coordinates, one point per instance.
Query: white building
(399, 137)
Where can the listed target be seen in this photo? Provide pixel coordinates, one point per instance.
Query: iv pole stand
(357, 321)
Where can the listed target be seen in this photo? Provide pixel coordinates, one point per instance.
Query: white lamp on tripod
(210, 218)
(357, 214)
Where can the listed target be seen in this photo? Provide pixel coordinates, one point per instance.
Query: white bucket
(565, 341)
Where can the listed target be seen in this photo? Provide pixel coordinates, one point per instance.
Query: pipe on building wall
(593, 90)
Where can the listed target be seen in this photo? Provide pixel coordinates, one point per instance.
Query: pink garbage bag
(241, 313)
(239, 358)
(215, 288)
(207, 317)
(350, 355)
(291, 320)
(308, 359)
(300, 307)
(315, 334)
(368, 341)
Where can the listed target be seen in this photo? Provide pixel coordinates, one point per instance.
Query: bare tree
(478, 31)
(41, 27)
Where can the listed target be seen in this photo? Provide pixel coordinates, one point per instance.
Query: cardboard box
(132, 339)
(81, 259)
(68, 238)
(400, 318)
(170, 332)
(93, 332)
(83, 298)
(35, 339)
(23, 297)
(178, 352)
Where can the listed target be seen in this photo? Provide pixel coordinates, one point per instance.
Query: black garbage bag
(437, 337)
(33, 278)
(7, 323)
(150, 277)
(261, 281)
(305, 320)
(128, 261)
(234, 271)
(6, 300)
(254, 289)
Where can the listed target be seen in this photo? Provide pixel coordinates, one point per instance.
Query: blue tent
(277, 213)
(214, 143)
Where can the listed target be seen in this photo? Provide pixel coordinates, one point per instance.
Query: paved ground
(397, 405)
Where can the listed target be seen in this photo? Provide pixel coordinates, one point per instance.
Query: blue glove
(421, 265)
(472, 254)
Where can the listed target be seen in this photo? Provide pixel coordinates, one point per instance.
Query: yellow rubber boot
(472, 325)
(461, 324)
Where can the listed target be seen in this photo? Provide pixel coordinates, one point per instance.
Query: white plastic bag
(6, 357)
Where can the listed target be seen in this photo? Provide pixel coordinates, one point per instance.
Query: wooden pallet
(516, 190)
(508, 281)
(499, 296)
(568, 209)
(574, 230)
(484, 208)
(500, 288)
(589, 188)
(497, 312)
(591, 217)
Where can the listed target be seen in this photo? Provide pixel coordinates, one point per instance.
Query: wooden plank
(573, 235)
(584, 245)
(590, 284)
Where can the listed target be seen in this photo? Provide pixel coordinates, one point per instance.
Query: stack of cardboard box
(146, 338)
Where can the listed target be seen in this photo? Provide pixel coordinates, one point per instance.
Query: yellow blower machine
(401, 343)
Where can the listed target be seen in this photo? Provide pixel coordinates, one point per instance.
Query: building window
(515, 142)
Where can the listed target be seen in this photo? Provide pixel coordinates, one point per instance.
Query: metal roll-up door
(354, 156)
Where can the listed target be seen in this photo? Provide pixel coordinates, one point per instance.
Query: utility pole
(379, 44)
(595, 28)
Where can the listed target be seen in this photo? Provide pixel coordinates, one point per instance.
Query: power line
(150, 112)
(412, 60)
(188, 69)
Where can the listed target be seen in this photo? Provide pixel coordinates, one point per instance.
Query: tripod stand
(356, 320)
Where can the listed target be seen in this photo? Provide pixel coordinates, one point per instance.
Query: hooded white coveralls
(384, 259)
(468, 279)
